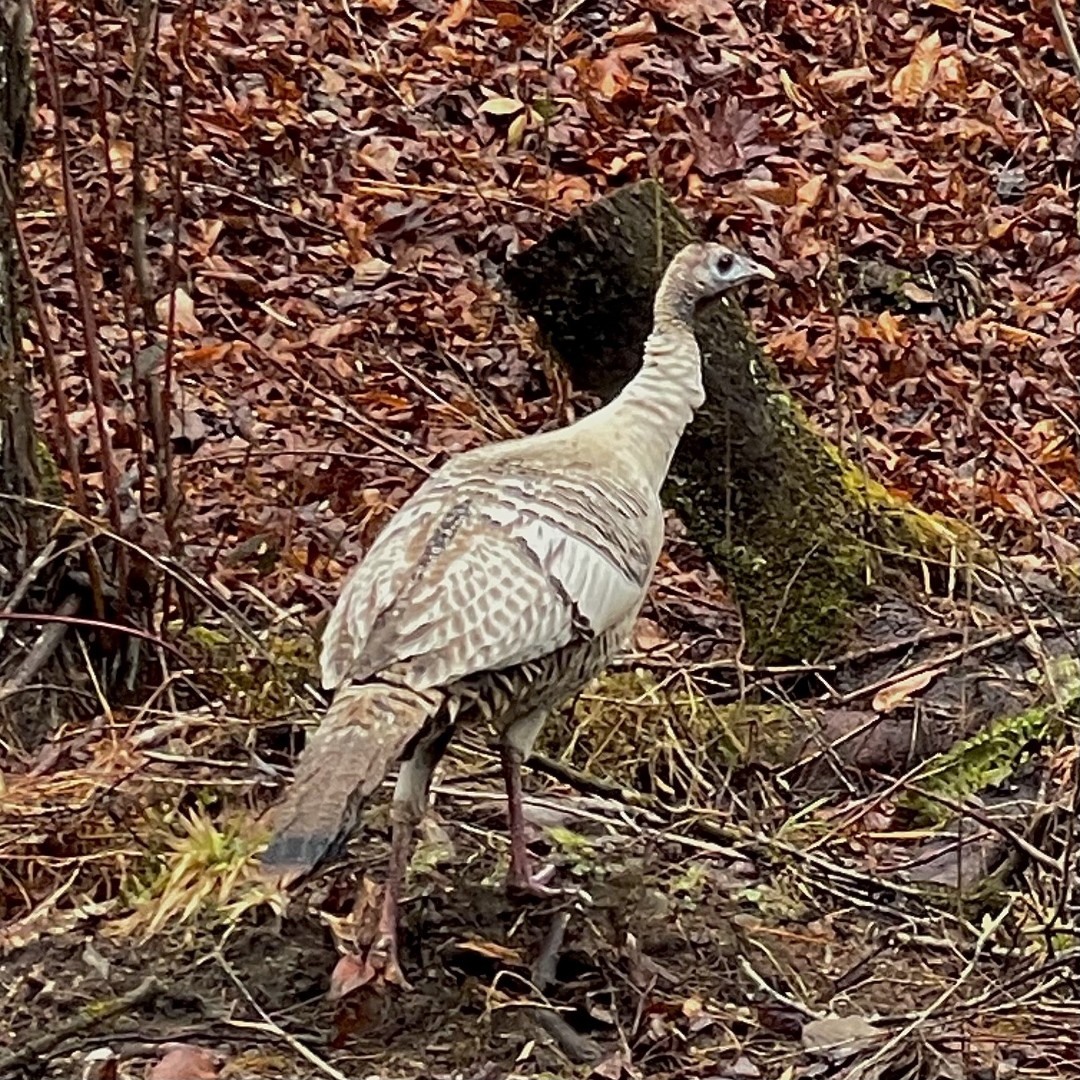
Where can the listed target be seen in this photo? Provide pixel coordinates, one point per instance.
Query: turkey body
(501, 588)
(505, 584)
(507, 580)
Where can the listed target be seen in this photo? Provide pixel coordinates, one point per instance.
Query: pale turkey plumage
(501, 587)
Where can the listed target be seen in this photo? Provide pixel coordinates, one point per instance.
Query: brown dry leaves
(345, 195)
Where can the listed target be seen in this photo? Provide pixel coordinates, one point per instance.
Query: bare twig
(29, 576)
(964, 809)
(272, 1028)
(140, 263)
(770, 991)
(47, 643)
(52, 364)
(104, 106)
(41, 1048)
(989, 929)
(270, 208)
(83, 286)
(1066, 35)
(934, 664)
(577, 1047)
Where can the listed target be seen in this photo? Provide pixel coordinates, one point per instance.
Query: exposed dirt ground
(720, 914)
(683, 959)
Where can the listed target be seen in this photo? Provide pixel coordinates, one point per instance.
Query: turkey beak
(755, 269)
(745, 269)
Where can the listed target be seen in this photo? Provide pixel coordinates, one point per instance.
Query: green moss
(668, 739)
(259, 682)
(796, 560)
(983, 761)
(799, 588)
(51, 489)
(989, 757)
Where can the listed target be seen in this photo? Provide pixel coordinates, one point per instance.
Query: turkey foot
(379, 966)
(521, 881)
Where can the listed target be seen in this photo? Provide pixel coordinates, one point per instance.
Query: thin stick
(1066, 35)
(275, 1029)
(82, 282)
(38, 656)
(52, 364)
(933, 665)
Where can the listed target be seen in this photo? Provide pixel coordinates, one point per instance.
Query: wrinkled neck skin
(646, 421)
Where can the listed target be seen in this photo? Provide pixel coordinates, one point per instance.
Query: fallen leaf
(891, 696)
(648, 635)
(846, 78)
(187, 424)
(990, 31)
(101, 1064)
(370, 272)
(730, 139)
(839, 1037)
(350, 973)
(184, 312)
(502, 106)
(613, 1066)
(185, 1062)
(608, 75)
(121, 154)
(203, 356)
(885, 169)
(697, 13)
(914, 78)
(460, 12)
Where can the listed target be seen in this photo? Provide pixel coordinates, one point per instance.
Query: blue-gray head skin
(703, 270)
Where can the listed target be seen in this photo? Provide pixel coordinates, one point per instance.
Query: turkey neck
(645, 422)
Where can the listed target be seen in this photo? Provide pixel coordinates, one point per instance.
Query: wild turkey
(498, 591)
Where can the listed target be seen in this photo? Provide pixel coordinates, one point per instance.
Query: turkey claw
(532, 886)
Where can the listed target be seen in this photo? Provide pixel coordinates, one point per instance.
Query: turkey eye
(723, 262)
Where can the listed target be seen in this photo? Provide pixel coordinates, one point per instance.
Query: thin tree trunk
(18, 458)
(763, 494)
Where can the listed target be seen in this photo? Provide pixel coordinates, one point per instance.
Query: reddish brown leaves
(345, 194)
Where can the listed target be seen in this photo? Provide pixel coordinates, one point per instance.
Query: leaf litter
(352, 177)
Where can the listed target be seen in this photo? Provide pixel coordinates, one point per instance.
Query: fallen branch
(40, 652)
(579, 1048)
(45, 1046)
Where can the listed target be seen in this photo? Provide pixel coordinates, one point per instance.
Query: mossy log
(763, 494)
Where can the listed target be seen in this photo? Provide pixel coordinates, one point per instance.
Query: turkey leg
(520, 880)
(410, 802)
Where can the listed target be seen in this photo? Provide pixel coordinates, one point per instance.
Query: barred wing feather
(478, 573)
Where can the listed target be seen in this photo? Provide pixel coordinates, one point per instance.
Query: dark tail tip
(291, 857)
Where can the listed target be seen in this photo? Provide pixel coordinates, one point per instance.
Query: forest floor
(332, 188)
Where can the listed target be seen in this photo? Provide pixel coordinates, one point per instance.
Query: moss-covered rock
(666, 738)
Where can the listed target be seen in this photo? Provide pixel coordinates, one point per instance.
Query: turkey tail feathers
(366, 729)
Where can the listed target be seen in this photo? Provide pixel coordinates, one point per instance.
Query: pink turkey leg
(520, 878)
(386, 944)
